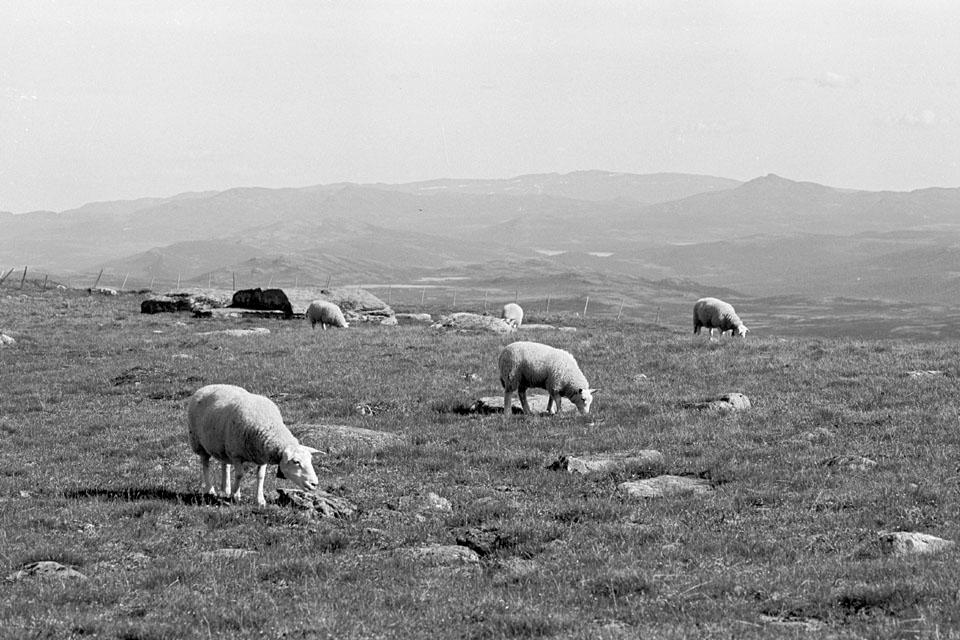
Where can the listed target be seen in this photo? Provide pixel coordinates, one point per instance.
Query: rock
(104, 291)
(414, 318)
(180, 301)
(437, 555)
(236, 333)
(358, 305)
(727, 402)
(627, 462)
(229, 553)
(924, 373)
(389, 322)
(663, 486)
(336, 439)
(568, 329)
(857, 463)
(910, 542)
(320, 502)
(464, 321)
(45, 569)
(538, 327)
(537, 402)
(430, 503)
(6, 340)
(262, 300)
(483, 540)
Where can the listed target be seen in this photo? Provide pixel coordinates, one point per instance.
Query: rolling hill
(766, 237)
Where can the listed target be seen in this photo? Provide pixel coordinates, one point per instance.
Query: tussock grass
(95, 473)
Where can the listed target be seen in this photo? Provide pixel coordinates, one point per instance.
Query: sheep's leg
(225, 471)
(237, 475)
(554, 403)
(507, 403)
(523, 401)
(207, 480)
(261, 474)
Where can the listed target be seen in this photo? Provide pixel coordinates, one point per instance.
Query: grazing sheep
(717, 314)
(525, 365)
(236, 427)
(325, 313)
(512, 314)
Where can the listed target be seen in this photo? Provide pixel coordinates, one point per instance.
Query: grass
(95, 473)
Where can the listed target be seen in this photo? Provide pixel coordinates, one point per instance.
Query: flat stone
(414, 318)
(318, 502)
(337, 439)
(236, 333)
(437, 555)
(538, 327)
(45, 569)
(727, 402)
(902, 543)
(628, 462)
(856, 463)
(663, 486)
(230, 553)
(6, 340)
(537, 402)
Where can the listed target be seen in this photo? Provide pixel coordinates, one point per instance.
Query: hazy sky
(116, 100)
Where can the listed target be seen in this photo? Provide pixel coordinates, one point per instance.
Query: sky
(121, 99)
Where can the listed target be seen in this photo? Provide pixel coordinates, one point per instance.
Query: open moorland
(789, 535)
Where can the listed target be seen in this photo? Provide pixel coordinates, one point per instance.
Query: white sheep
(717, 314)
(512, 314)
(525, 365)
(325, 313)
(237, 427)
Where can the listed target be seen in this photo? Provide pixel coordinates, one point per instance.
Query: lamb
(325, 313)
(512, 314)
(525, 365)
(237, 427)
(717, 314)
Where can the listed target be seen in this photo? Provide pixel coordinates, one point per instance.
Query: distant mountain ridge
(768, 236)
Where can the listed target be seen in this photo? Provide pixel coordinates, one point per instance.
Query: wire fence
(429, 296)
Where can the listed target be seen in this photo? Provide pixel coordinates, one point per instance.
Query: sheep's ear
(593, 392)
(313, 451)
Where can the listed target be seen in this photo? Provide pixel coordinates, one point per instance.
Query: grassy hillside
(96, 474)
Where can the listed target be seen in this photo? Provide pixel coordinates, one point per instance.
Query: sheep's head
(741, 331)
(583, 398)
(296, 465)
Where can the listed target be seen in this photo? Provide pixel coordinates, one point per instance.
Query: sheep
(717, 314)
(525, 365)
(235, 426)
(512, 314)
(325, 313)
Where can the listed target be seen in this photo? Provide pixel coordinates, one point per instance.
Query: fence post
(548, 304)
(178, 282)
(389, 294)
(24, 278)
(621, 309)
(657, 320)
(124, 283)
(454, 296)
(45, 281)
(269, 282)
(516, 297)
(423, 294)
(234, 280)
(585, 306)
(98, 279)
(484, 299)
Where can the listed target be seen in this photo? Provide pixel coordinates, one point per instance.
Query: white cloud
(924, 118)
(835, 80)
(708, 127)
